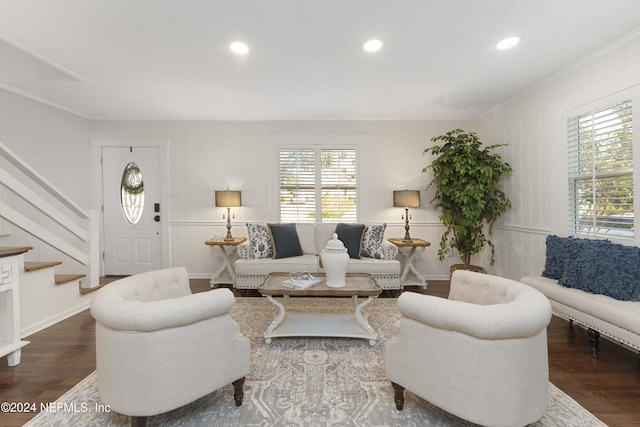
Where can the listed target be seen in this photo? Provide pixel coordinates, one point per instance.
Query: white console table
(11, 258)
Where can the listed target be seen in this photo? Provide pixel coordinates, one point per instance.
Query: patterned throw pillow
(372, 241)
(259, 241)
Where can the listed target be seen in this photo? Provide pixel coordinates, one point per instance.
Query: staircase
(49, 216)
(58, 278)
(34, 213)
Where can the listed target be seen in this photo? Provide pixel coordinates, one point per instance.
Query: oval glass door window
(132, 193)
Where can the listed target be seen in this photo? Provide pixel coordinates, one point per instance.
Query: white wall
(534, 127)
(210, 155)
(54, 142)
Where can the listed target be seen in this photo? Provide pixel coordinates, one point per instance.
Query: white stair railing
(41, 181)
(82, 225)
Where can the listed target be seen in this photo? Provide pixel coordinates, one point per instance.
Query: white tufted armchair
(159, 347)
(480, 355)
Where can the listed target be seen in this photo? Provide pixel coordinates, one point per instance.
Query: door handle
(156, 218)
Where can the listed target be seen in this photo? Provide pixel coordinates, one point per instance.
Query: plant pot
(469, 267)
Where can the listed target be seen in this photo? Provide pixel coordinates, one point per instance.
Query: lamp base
(228, 237)
(407, 238)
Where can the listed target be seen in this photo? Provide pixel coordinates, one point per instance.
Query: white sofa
(599, 314)
(159, 347)
(251, 273)
(481, 354)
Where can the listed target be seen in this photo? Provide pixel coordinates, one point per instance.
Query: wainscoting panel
(520, 251)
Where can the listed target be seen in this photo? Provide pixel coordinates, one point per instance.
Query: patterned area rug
(305, 382)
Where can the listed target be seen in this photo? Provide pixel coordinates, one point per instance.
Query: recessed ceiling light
(508, 43)
(239, 48)
(372, 45)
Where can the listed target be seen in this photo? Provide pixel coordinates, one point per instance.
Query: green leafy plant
(466, 176)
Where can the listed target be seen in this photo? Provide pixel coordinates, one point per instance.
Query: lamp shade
(228, 199)
(406, 199)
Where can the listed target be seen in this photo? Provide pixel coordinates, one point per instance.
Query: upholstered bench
(596, 284)
(600, 314)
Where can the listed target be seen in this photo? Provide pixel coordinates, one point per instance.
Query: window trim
(572, 163)
(318, 148)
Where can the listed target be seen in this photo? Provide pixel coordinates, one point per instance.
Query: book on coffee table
(302, 283)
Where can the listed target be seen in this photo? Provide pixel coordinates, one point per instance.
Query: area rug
(314, 382)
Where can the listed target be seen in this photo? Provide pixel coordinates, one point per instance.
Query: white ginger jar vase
(335, 260)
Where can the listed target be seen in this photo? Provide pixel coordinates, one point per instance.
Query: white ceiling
(169, 59)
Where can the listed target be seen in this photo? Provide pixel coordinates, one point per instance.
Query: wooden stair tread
(38, 265)
(84, 291)
(64, 278)
(14, 250)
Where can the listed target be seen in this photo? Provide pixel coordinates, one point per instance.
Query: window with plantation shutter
(318, 185)
(600, 166)
(338, 185)
(297, 185)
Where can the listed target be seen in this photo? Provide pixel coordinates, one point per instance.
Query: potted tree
(466, 176)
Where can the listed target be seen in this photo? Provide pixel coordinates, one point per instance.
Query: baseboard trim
(26, 332)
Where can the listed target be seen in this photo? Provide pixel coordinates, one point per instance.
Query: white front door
(132, 211)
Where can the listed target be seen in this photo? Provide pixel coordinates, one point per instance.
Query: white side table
(11, 259)
(225, 273)
(408, 250)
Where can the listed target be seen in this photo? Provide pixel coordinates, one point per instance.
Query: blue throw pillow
(351, 235)
(285, 241)
(602, 267)
(582, 264)
(619, 273)
(556, 256)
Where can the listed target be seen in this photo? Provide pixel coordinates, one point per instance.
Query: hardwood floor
(63, 354)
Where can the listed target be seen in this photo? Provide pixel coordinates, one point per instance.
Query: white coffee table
(296, 324)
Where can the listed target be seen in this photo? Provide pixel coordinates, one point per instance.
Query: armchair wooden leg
(138, 421)
(594, 341)
(238, 393)
(572, 333)
(398, 396)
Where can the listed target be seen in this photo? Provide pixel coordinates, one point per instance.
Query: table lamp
(406, 199)
(228, 199)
